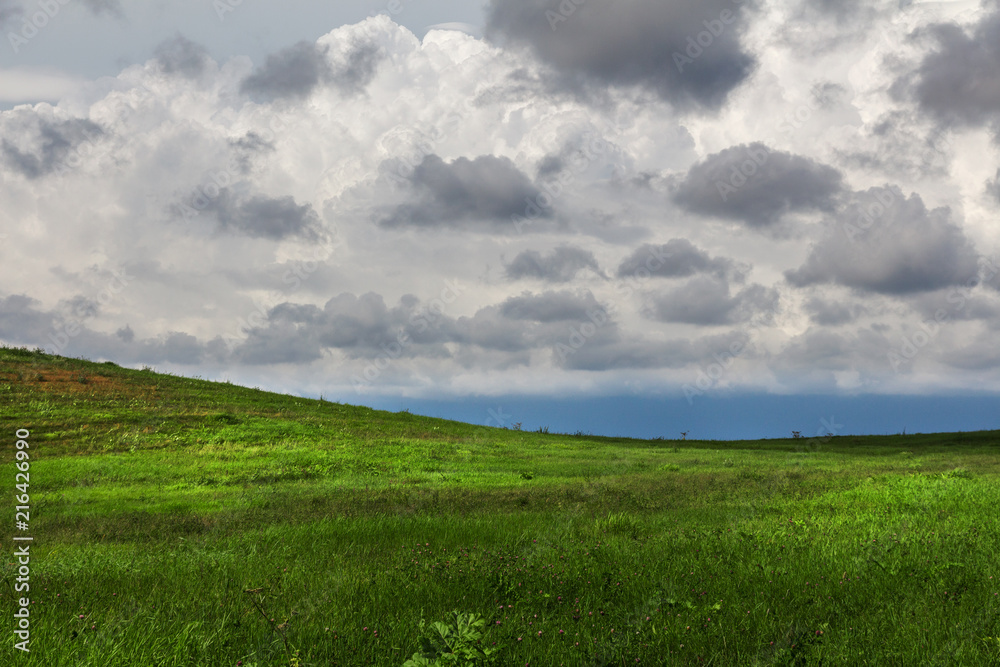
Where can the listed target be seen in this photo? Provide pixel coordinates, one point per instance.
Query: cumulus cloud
(958, 82)
(757, 185)
(829, 313)
(36, 145)
(371, 167)
(677, 258)
(559, 266)
(645, 43)
(708, 301)
(817, 355)
(23, 319)
(550, 306)
(259, 216)
(896, 249)
(485, 191)
(293, 72)
(296, 71)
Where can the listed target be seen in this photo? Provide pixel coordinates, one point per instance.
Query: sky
(624, 217)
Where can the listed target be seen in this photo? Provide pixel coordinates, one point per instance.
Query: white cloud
(225, 205)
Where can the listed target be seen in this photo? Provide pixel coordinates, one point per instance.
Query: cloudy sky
(591, 203)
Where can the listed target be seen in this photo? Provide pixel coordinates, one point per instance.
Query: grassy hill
(183, 522)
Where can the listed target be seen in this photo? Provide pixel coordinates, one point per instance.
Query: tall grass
(181, 522)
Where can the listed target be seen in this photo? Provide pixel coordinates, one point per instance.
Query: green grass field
(184, 522)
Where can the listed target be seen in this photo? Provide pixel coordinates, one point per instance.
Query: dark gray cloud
(550, 306)
(677, 258)
(10, 10)
(359, 326)
(264, 217)
(903, 249)
(51, 142)
(620, 352)
(817, 354)
(488, 190)
(181, 348)
(708, 301)
(81, 307)
(15, 9)
(279, 343)
(296, 71)
(559, 266)
(648, 43)
(628, 354)
(363, 327)
(756, 185)
(179, 55)
(293, 72)
(22, 323)
(111, 7)
(832, 313)
(993, 187)
(958, 83)
(958, 304)
(358, 68)
(247, 147)
(490, 330)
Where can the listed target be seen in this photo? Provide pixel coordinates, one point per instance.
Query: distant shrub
(669, 467)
